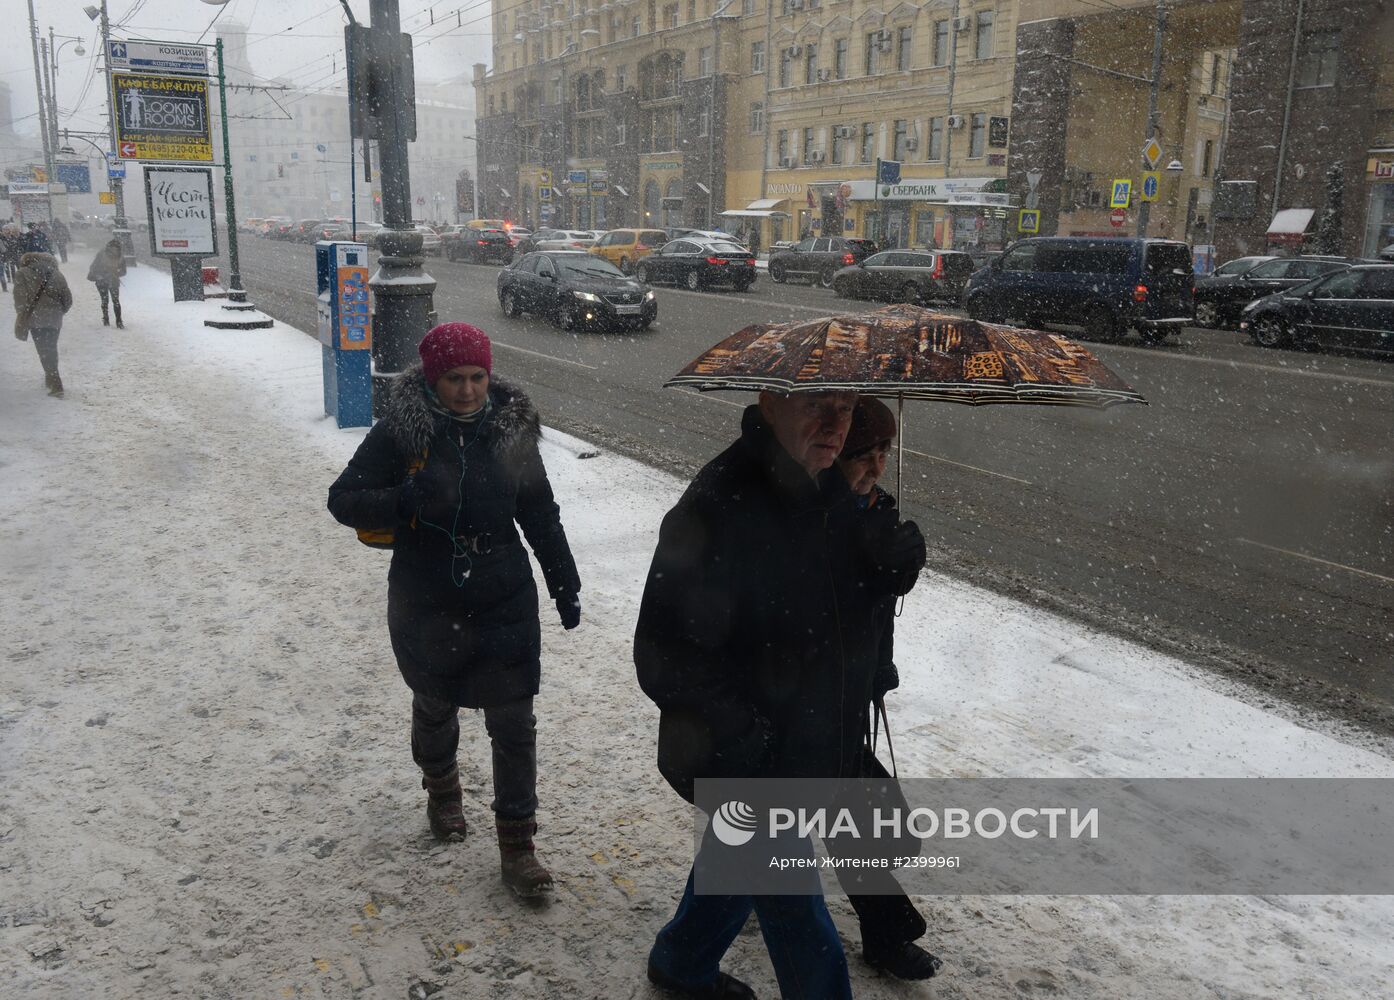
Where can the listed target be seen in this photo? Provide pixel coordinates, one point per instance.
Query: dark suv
(819, 258)
(1220, 298)
(917, 276)
(479, 246)
(1106, 284)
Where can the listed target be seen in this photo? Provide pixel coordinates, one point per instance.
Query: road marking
(1324, 562)
(961, 465)
(549, 357)
(908, 451)
(1152, 352)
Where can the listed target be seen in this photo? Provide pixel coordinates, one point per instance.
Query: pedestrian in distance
(36, 240)
(42, 298)
(11, 249)
(757, 639)
(889, 922)
(446, 478)
(106, 272)
(61, 238)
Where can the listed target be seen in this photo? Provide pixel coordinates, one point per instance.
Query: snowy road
(1241, 519)
(205, 788)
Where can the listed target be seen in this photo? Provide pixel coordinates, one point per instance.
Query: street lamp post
(39, 87)
(121, 225)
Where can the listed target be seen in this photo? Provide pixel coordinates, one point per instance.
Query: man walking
(41, 300)
(758, 640)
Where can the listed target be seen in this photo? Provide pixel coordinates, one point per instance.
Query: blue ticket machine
(345, 331)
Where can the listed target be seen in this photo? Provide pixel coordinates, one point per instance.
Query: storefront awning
(1290, 223)
(622, 191)
(751, 213)
(765, 204)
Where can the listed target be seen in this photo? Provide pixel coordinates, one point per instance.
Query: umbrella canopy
(906, 352)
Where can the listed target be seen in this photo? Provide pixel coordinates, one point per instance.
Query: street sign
(1151, 182)
(1117, 217)
(1033, 179)
(1122, 193)
(179, 205)
(106, 197)
(544, 194)
(75, 176)
(1151, 153)
(161, 118)
(577, 177)
(158, 57)
(1028, 220)
(115, 168)
(888, 171)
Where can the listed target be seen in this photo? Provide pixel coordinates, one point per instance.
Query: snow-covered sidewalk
(205, 783)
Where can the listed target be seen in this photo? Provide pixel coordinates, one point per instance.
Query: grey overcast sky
(301, 40)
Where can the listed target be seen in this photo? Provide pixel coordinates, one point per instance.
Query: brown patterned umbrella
(904, 352)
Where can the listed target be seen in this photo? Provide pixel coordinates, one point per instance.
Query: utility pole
(50, 111)
(949, 231)
(235, 290)
(121, 225)
(39, 88)
(1144, 211)
(403, 306)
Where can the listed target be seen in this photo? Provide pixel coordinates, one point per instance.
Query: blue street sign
(116, 170)
(1150, 182)
(888, 171)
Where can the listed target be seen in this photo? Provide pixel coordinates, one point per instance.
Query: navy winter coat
(461, 603)
(762, 619)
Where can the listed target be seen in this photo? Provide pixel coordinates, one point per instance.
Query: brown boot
(445, 805)
(522, 872)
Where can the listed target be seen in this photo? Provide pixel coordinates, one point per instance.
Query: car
(1220, 298)
(1350, 308)
(430, 239)
(575, 289)
(818, 258)
(1387, 254)
(304, 231)
(698, 264)
(478, 246)
(563, 239)
(367, 231)
(248, 225)
(487, 224)
(682, 233)
(273, 227)
(1107, 284)
(626, 247)
(330, 229)
(529, 242)
(916, 276)
(517, 235)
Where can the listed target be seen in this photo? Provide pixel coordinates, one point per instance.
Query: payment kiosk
(345, 331)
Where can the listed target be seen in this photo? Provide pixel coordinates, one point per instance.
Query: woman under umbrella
(449, 474)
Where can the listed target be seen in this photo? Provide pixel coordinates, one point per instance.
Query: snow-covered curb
(205, 784)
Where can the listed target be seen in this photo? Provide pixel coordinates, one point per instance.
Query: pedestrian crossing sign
(1028, 220)
(1151, 183)
(1122, 193)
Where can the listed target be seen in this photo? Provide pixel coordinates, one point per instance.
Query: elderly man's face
(810, 426)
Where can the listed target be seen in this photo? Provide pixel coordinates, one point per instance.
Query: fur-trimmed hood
(513, 423)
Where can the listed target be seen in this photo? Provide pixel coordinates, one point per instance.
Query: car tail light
(1140, 293)
(641, 246)
(938, 271)
(578, 245)
(716, 260)
(749, 262)
(483, 243)
(848, 259)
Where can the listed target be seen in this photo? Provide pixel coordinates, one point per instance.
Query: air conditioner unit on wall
(846, 132)
(824, 75)
(786, 161)
(816, 156)
(963, 24)
(795, 51)
(956, 121)
(796, 4)
(912, 144)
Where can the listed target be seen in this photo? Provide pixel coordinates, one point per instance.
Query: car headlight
(649, 296)
(587, 296)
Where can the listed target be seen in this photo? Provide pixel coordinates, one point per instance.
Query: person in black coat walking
(758, 640)
(449, 474)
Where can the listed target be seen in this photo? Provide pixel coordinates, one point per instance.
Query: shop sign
(161, 117)
(577, 177)
(1384, 169)
(785, 187)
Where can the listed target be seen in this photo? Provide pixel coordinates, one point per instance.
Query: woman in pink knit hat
(447, 478)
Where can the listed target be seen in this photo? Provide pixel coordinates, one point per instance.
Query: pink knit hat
(451, 345)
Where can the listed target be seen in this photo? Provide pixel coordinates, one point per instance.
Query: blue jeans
(799, 934)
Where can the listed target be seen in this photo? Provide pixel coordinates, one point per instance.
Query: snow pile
(205, 783)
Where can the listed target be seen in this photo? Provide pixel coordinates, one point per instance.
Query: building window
(653, 15)
(1206, 157)
(810, 63)
(670, 15)
(619, 133)
(1216, 68)
(808, 147)
(704, 61)
(941, 43)
(983, 41)
(977, 134)
(757, 118)
(757, 57)
(691, 11)
(1317, 66)
(904, 51)
(902, 132)
(868, 142)
(636, 27)
(873, 45)
(840, 59)
(936, 139)
(782, 147)
(621, 77)
(747, 7)
(786, 60)
(838, 144)
(704, 122)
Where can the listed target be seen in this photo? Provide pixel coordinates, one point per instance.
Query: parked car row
(1352, 307)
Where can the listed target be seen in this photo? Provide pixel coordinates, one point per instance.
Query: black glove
(886, 678)
(409, 498)
(569, 608)
(900, 554)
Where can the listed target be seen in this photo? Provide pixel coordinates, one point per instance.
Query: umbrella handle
(899, 471)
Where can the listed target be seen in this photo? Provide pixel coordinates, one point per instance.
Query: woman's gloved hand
(410, 497)
(569, 609)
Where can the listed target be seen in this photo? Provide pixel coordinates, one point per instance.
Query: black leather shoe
(725, 988)
(906, 961)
